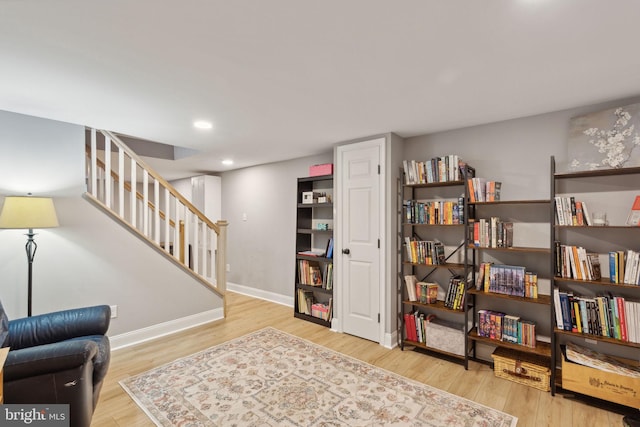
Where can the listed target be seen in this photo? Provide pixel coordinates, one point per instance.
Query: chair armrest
(58, 326)
(33, 361)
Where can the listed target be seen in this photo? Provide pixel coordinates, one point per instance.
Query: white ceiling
(281, 79)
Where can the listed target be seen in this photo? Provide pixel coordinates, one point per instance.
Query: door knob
(346, 251)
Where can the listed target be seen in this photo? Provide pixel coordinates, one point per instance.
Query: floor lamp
(28, 213)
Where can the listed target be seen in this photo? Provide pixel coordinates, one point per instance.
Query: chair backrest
(4, 325)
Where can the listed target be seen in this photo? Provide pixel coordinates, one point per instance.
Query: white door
(360, 234)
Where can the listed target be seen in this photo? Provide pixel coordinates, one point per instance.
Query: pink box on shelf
(319, 170)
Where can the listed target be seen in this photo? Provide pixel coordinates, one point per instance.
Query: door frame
(379, 141)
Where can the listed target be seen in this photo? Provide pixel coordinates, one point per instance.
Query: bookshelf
(508, 267)
(605, 190)
(313, 290)
(431, 236)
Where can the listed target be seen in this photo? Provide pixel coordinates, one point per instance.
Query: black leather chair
(59, 357)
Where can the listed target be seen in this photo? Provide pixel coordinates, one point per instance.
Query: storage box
(594, 382)
(319, 170)
(446, 336)
(523, 368)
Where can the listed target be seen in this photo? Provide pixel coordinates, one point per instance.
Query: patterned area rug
(271, 378)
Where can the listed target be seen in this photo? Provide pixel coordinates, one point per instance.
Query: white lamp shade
(28, 212)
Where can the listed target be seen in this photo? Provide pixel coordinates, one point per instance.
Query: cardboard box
(320, 170)
(609, 386)
(446, 336)
(523, 368)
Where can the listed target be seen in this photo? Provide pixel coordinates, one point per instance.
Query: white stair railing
(128, 189)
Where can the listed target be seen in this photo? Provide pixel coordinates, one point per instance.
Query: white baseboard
(259, 293)
(166, 328)
(391, 340)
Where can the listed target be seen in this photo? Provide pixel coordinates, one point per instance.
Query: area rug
(271, 378)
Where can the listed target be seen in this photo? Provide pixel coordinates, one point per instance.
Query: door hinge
(378, 243)
(378, 169)
(378, 317)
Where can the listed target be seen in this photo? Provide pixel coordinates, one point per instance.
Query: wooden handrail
(127, 187)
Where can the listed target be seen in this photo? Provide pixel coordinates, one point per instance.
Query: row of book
(499, 326)
(491, 233)
(438, 169)
(424, 292)
(434, 212)
(305, 300)
(424, 251)
(482, 190)
(604, 315)
(575, 262)
(313, 274)
(570, 211)
(507, 280)
(624, 267)
(454, 298)
(416, 326)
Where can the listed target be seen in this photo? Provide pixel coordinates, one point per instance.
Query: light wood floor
(245, 314)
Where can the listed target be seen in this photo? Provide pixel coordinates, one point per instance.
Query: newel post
(221, 267)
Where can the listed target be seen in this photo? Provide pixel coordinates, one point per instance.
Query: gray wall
(261, 250)
(89, 259)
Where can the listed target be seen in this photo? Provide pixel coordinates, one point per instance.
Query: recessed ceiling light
(227, 162)
(202, 124)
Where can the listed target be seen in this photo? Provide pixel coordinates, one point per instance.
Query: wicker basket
(522, 368)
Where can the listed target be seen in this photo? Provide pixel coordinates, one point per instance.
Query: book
(432, 293)
(557, 308)
(634, 213)
(329, 252)
(410, 282)
(313, 252)
(594, 262)
(586, 215)
(566, 311)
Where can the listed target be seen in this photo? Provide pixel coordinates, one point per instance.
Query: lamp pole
(31, 248)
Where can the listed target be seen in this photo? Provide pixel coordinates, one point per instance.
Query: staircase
(124, 187)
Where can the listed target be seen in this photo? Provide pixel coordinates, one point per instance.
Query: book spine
(623, 319)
